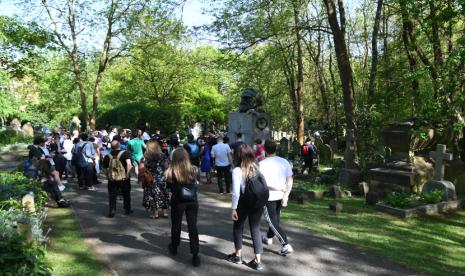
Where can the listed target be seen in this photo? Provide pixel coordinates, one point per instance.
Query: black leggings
(272, 212)
(254, 224)
(191, 209)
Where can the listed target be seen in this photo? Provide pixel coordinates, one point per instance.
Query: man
(221, 152)
(235, 145)
(121, 182)
(86, 168)
(307, 153)
(136, 146)
(193, 149)
(278, 175)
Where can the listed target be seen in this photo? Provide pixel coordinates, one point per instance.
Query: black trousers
(272, 211)
(308, 164)
(191, 209)
(86, 175)
(254, 224)
(224, 173)
(113, 187)
(52, 188)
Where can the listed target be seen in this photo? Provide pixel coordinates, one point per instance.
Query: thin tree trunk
(300, 79)
(374, 52)
(345, 69)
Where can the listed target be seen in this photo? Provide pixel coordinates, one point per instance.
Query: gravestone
(350, 175)
(319, 142)
(325, 154)
(27, 129)
(15, 125)
(438, 183)
(197, 130)
(283, 149)
(403, 171)
(75, 123)
(248, 121)
(28, 203)
(335, 206)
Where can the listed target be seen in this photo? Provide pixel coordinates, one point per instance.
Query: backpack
(77, 158)
(194, 150)
(305, 150)
(116, 171)
(255, 193)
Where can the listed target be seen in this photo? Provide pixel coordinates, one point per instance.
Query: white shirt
(145, 136)
(238, 186)
(221, 153)
(68, 146)
(275, 170)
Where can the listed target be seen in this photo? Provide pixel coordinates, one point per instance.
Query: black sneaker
(174, 251)
(111, 213)
(196, 260)
(63, 203)
(128, 211)
(233, 258)
(256, 265)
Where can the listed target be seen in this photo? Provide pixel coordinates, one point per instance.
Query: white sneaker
(61, 188)
(64, 181)
(286, 249)
(266, 240)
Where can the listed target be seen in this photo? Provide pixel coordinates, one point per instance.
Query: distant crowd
(258, 180)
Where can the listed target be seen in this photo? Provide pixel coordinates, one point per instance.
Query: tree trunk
(300, 120)
(406, 29)
(345, 69)
(374, 52)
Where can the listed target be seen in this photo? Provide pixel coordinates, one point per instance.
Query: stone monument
(350, 175)
(438, 183)
(403, 170)
(247, 120)
(27, 129)
(15, 125)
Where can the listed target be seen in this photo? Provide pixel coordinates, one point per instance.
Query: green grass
(67, 252)
(307, 186)
(435, 245)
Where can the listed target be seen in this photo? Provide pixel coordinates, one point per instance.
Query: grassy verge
(67, 252)
(435, 245)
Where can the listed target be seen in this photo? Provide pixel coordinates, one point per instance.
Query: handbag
(145, 176)
(189, 194)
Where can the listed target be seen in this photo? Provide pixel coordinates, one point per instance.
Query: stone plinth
(350, 178)
(251, 124)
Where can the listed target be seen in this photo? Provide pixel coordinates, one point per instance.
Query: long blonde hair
(153, 151)
(180, 168)
(245, 159)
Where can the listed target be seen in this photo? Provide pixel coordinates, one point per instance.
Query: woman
(205, 165)
(259, 150)
(245, 167)
(182, 178)
(155, 194)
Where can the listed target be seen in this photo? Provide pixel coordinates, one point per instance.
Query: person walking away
(223, 159)
(118, 165)
(113, 133)
(249, 197)
(68, 147)
(193, 149)
(183, 179)
(136, 146)
(259, 150)
(156, 196)
(278, 175)
(205, 165)
(84, 156)
(306, 153)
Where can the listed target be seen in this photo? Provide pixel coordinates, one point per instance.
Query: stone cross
(439, 155)
(349, 152)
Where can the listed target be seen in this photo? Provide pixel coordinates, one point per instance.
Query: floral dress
(157, 196)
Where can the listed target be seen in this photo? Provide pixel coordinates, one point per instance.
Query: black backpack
(255, 193)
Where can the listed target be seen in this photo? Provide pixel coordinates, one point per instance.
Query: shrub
(8, 137)
(22, 247)
(431, 197)
(402, 200)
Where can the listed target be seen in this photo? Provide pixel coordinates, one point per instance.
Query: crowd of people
(258, 180)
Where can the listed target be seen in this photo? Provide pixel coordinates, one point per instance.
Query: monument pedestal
(251, 124)
(351, 178)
